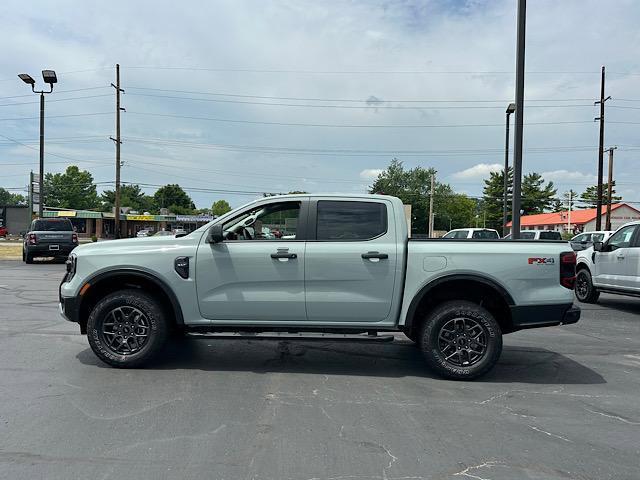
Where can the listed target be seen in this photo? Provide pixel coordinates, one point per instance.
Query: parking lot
(561, 404)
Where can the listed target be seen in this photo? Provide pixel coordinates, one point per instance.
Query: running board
(304, 337)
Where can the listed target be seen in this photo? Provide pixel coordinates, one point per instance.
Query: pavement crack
(615, 417)
(466, 471)
(549, 433)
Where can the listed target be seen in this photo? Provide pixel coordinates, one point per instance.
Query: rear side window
(550, 236)
(52, 226)
(485, 234)
(462, 234)
(350, 220)
(527, 235)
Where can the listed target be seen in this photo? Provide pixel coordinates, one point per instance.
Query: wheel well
(470, 290)
(121, 281)
(582, 266)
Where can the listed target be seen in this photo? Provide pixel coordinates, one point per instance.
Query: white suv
(612, 266)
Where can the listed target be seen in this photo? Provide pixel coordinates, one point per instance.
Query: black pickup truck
(49, 237)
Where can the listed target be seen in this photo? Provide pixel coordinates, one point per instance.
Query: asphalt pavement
(563, 403)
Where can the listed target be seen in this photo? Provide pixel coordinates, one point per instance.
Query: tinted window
(52, 226)
(582, 238)
(527, 235)
(597, 237)
(485, 234)
(350, 220)
(450, 235)
(550, 236)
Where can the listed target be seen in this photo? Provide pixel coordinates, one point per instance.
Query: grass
(10, 252)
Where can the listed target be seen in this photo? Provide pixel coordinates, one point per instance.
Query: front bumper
(70, 308)
(536, 316)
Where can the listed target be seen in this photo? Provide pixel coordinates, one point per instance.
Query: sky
(234, 98)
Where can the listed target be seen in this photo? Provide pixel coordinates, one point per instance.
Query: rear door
(350, 261)
(632, 260)
(612, 266)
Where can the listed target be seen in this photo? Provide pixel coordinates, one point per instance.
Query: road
(561, 404)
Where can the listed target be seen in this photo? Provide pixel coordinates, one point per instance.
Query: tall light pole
(517, 157)
(610, 188)
(510, 109)
(49, 76)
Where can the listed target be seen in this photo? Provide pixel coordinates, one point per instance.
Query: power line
(57, 92)
(354, 100)
(330, 125)
(56, 116)
(56, 100)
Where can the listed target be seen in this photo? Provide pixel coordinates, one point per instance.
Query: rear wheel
(127, 328)
(461, 340)
(585, 291)
(27, 257)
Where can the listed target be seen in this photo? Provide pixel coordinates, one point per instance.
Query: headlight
(71, 263)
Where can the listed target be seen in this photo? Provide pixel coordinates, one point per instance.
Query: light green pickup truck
(318, 263)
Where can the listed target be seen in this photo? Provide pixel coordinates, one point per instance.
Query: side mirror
(597, 246)
(216, 235)
(181, 234)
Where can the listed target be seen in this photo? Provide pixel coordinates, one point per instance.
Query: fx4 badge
(542, 261)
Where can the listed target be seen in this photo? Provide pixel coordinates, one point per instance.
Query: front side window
(339, 220)
(550, 236)
(622, 238)
(597, 237)
(273, 221)
(527, 235)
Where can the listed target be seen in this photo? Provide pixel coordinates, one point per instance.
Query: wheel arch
(470, 287)
(110, 281)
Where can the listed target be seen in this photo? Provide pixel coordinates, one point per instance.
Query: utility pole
(600, 152)
(510, 109)
(433, 182)
(118, 142)
(517, 159)
(569, 212)
(610, 187)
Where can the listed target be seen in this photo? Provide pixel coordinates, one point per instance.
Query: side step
(300, 337)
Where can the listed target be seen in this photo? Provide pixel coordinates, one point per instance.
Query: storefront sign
(68, 213)
(141, 217)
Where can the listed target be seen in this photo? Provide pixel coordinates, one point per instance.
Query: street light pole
(517, 159)
(510, 109)
(49, 76)
(610, 188)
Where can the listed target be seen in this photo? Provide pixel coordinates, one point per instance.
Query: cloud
(567, 176)
(370, 173)
(481, 170)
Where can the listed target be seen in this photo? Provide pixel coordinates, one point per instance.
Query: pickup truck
(612, 266)
(338, 264)
(49, 237)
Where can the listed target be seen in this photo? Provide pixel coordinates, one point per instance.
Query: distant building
(582, 220)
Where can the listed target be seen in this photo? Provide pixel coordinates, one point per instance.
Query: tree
(589, 198)
(130, 196)
(220, 207)
(569, 197)
(413, 188)
(174, 198)
(9, 199)
(72, 189)
(493, 195)
(536, 196)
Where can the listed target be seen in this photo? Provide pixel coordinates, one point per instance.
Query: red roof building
(580, 220)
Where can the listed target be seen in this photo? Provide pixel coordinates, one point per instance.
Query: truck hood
(133, 245)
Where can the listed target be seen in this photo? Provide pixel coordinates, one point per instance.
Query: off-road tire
(584, 289)
(486, 330)
(131, 301)
(28, 258)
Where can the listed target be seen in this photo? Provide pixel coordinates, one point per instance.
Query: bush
(94, 238)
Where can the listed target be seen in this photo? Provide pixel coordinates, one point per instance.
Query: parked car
(3, 231)
(145, 232)
(473, 233)
(49, 237)
(586, 239)
(179, 231)
(538, 235)
(612, 266)
(163, 233)
(349, 269)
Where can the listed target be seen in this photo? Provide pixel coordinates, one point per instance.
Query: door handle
(620, 256)
(369, 255)
(284, 255)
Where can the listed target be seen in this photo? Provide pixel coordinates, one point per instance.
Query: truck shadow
(620, 303)
(397, 359)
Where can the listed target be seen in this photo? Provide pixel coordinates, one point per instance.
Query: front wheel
(585, 291)
(460, 340)
(127, 328)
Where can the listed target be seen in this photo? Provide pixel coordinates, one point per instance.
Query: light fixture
(26, 78)
(49, 76)
(511, 108)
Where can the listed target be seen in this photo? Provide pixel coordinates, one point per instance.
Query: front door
(352, 261)
(612, 265)
(257, 273)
